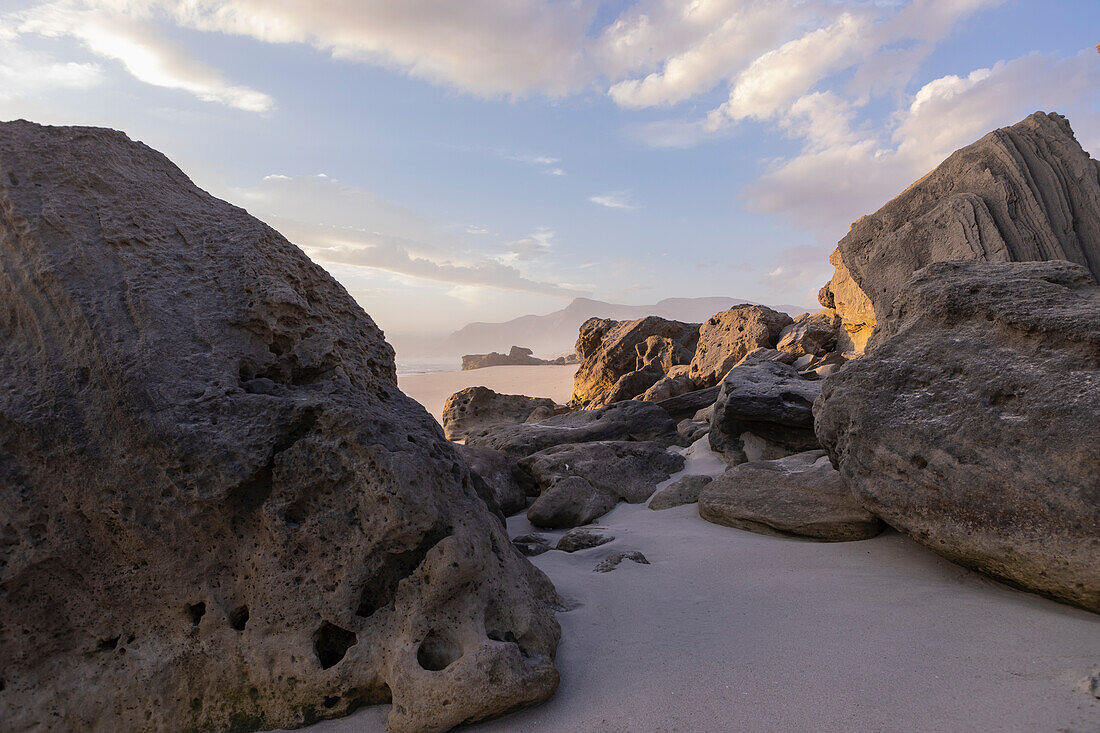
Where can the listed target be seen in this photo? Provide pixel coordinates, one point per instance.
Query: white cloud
(339, 224)
(613, 200)
(128, 39)
(27, 73)
(843, 172)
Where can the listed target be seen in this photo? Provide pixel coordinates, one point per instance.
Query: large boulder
(476, 408)
(800, 495)
(673, 384)
(609, 350)
(630, 420)
(219, 510)
(763, 411)
(727, 337)
(1022, 193)
(973, 426)
(811, 334)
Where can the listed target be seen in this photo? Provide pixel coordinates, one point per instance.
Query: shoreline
(431, 389)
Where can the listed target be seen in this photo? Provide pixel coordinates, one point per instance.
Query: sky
(459, 160)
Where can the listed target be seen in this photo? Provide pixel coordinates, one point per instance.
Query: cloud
(147, 56)
(26, 73)
(613, 200)
(844, 171)
(532, 247)
(340, 224)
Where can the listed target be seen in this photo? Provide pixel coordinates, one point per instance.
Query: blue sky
(458, 161)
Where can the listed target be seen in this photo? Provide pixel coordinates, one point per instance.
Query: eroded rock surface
(763, 411)
(728, 336)
(810, 334)
(507, 483)
(645, 348)
(800, 495)
(582, 538)
(476, 408)
(973, 424)
(219, 511)
(684, 490)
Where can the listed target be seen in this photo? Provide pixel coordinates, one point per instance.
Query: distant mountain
(555, 333)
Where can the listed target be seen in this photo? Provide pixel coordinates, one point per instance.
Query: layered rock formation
(1022, 193)
(477, 408)
(220, 512)
(972, 426)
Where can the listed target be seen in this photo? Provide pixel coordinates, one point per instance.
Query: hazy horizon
(460, 162)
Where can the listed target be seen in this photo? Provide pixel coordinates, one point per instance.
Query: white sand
(732, 631)
(432, 390)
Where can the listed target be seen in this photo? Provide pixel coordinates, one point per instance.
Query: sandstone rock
(670, 385)
(611, 349)
(728, 336)
(219, 510)
(629, 471)
(763, 411)
(477, 408)
(689, 404)
(800, 495)
(973, 427)
(810, 334)
(1022, 193)
(852, 306)
(628, 386)
(613, 560)
(582, 538)
(630, 420)
(508, 484)
(691, 430)
(684, 490)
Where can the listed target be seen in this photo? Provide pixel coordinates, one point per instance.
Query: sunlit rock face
(972, 424)
(1022, 193)
(219, 511)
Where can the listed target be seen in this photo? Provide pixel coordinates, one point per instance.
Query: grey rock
(800, 495)
(691, 430)
(610, 470)
(972, 425)
(629, 420)
(508, 484)
(810, 333)
(689, 404)
(477, 408)
(219, 510)
(582, 538)
(684, 490)
(531, 545)
(728, 336)
(763, 411)
(517, 356)
(613, 560)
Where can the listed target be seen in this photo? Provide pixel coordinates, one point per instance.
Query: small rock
(612, 561)
(582, 538)
(531, 544)
(684, 490)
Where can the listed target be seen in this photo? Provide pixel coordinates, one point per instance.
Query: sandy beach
(728, 630)
(433, 389)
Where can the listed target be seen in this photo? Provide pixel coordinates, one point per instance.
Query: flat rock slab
(800, 495)
(684, 490)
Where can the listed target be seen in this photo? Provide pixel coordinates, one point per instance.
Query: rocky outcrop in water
(972, 425)
(1022, 193)
(517, 356)
(219, 511)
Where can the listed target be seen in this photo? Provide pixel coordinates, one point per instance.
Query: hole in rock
(238, 617)
(330, 702)
(195, 612)
(331, 643)
(437, 652)
(379, 589)
(919, 461)
(108, 645)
